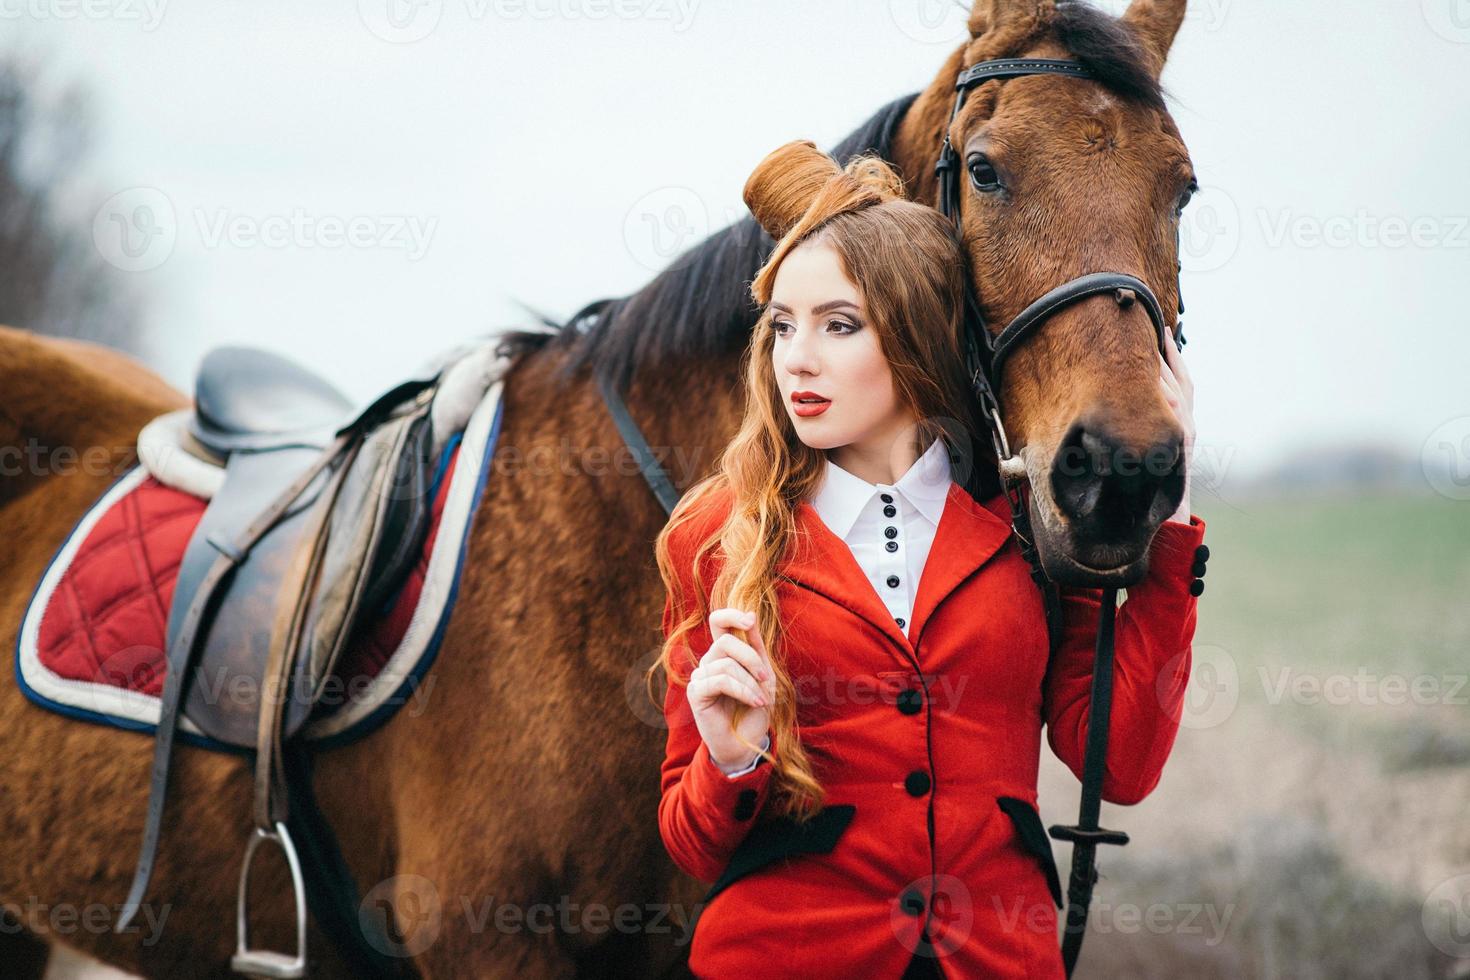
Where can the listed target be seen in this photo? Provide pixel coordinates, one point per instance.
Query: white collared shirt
(889, 528)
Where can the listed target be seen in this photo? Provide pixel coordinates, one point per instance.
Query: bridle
(985, 360)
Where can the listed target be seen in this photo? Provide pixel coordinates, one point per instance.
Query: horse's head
(1060, 177)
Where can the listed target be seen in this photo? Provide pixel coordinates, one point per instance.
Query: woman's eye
(844, 326)
(983, 173)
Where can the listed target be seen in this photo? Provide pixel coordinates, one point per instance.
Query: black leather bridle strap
(1086, 834)
(1066, 294)
(653, 472)
(1016, 67)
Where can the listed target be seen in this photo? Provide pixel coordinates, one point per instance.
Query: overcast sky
(362, 184)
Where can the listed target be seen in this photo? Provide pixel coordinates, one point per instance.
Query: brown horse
(511, 824)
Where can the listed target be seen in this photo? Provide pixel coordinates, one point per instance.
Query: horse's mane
(700, 306)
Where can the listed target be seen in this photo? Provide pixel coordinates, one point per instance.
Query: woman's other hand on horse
(1179, 393)
(732, 671)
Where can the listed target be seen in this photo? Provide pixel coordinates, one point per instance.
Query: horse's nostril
(1124, 296)
(1098, 481)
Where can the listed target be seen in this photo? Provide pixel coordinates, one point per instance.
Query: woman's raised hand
(732, 671)
(1178, 389)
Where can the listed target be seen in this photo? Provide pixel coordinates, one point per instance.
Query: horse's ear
(987, 15)
(1156, 22)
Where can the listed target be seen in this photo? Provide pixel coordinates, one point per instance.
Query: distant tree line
(53, 280)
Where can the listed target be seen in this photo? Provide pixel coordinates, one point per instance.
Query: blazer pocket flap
(783, 837)
(1034, 839)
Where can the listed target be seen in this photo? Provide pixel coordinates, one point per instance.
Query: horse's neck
(689, 412)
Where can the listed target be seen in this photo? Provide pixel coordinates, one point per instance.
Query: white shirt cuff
(753, 763)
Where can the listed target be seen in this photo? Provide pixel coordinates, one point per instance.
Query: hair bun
(797, 189)
(791, 179)
(782, 186)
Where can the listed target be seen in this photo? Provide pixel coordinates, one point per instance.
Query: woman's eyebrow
(831, 304)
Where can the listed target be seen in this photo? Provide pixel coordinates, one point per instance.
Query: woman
(856, 654)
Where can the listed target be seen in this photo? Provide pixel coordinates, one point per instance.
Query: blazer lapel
(969, 533)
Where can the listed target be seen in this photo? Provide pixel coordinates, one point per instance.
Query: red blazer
(928, 751)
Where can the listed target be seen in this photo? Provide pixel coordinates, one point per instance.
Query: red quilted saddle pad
(107, 619)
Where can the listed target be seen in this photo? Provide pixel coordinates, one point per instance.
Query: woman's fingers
(718, 682)
(1175, 393)
(724, 620)
(1174, 367)
(758, 643)
(740, 652)
(738, 672)
(729, 645)
(735, 668)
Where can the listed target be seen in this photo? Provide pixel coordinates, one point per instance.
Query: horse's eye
(1185, 198)
(983, 174)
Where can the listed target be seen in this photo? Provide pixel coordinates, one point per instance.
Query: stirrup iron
(265, 962)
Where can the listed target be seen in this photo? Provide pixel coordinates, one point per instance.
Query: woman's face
(827, 347)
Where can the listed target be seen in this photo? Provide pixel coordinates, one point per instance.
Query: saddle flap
(381, 515)
(223, 698)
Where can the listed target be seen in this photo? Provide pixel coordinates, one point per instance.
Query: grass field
(1314, 820)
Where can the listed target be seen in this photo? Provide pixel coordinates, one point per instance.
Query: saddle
(319, 518)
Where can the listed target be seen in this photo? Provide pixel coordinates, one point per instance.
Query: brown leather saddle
(320, 517)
